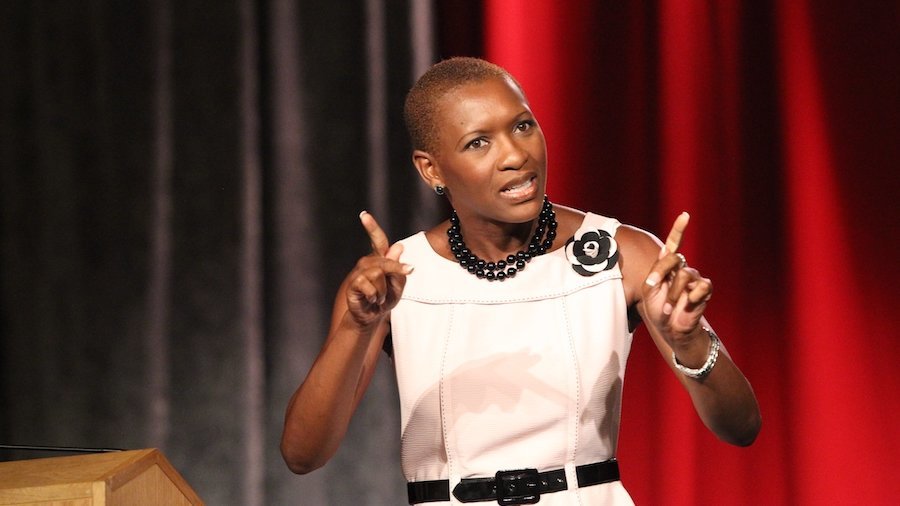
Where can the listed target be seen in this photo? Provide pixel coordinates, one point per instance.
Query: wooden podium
(135, 477)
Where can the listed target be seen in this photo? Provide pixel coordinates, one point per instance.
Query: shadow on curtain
(180, 187)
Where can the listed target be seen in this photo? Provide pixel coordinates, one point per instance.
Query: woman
(510, 323)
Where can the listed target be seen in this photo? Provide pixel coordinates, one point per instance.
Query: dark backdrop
(180, 187)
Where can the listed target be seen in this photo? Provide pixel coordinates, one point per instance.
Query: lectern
(135, 477)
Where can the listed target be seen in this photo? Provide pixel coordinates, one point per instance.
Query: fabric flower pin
(592, 252)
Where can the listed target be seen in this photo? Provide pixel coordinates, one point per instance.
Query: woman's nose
(513, 156)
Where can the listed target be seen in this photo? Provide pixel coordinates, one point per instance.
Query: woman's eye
(476, 143)
(523, 126)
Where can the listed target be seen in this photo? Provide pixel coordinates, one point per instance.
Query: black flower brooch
(592, 252)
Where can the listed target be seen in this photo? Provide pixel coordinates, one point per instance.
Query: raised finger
(662, 268)
(673, 241)
(377, 237)
(681, 280)
(366, 287)
(699, 291)
(391, 262)
(394, 252)
(387, 264)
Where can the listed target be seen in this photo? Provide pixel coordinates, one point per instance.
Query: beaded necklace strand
(503, 269)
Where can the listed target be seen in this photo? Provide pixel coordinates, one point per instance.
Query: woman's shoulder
(436, 238)
(637, 247)
(571, 220)
(638, 238)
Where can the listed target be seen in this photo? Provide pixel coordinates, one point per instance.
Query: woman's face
(492, 157)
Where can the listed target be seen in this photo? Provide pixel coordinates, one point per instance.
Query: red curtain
(776, 125)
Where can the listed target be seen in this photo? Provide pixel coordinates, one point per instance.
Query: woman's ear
(427, 168)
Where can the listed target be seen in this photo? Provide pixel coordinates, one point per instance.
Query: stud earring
(439, 190)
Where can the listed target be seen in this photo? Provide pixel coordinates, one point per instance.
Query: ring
(683, 260)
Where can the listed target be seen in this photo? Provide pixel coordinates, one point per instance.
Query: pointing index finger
(673, 241)
(377, 237)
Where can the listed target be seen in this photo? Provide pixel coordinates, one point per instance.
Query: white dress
(524, 373)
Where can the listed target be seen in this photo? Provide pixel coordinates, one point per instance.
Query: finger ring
(683, 260)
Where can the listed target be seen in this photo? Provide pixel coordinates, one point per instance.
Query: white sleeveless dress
(524, 373)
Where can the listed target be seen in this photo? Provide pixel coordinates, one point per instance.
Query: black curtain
(179, 192)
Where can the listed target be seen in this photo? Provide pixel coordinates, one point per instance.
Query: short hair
(420, 108)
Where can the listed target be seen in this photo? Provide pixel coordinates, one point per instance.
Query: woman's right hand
(376, 283)
(320, 410)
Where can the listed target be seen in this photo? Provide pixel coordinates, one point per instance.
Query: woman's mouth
(523, 189)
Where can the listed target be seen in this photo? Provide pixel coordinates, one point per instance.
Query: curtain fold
(775, 125)
(835, 300)
(180, 190)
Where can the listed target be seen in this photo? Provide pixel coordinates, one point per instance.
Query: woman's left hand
(674, 295)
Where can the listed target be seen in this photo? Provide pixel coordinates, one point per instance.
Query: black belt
(522, 486)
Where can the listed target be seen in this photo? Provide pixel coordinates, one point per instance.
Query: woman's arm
(671, 299)
(319, 412)
(723, 399)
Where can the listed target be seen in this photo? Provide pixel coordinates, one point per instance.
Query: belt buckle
(522, 486)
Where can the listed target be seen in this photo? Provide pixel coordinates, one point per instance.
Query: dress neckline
(558, 244)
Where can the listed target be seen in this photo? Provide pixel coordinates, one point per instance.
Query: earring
(439, 190)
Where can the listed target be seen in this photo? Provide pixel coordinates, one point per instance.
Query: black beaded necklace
(502, 269)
